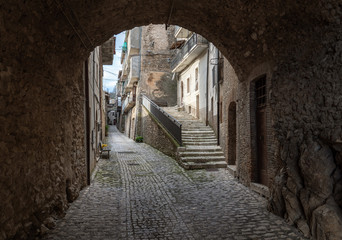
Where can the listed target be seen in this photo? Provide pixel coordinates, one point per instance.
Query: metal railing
(128, 102)
(170, 124)
(187, 47)
(177, 28)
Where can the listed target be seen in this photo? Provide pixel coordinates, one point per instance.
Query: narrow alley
(140, 193)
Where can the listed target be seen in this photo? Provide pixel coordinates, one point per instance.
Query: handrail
(171, 124)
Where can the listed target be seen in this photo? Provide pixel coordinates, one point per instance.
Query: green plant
(106, 130)
(139, 139)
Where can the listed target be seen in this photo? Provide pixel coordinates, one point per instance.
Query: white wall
(212, 88)
(189, 96)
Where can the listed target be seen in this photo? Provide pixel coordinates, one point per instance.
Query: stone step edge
(202, 153)
(201, 148)
(203, 160)
(194, 166)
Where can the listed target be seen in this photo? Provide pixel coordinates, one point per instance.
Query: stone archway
(44, 43)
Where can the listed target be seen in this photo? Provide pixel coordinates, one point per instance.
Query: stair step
(209, 139)
(203, 159)
(200, 153)
(197, 131)
(200, 143)
(184, 128)
(193, 166)
(200, 139)
(197, 137)
(200, 148)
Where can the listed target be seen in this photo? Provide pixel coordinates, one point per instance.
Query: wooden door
(261, 145)
(260, 87)
(232, 134)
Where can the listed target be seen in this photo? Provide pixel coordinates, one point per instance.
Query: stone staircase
(199, 150)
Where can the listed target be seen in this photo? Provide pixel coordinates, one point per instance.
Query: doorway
(260, 97)
(232, 134)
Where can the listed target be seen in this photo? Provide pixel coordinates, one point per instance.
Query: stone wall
(156, 136)
(42, 145)
(307, 106)
(156, 78)
(228, 96)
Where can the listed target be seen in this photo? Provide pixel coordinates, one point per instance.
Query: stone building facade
(146, 70)
(95, 99)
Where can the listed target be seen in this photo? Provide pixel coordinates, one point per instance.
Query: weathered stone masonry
(43, 45)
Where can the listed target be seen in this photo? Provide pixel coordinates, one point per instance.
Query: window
(213, 71)
(196, 79)
(260, 92)
(188, 85)
(220, 69)
(221, 117)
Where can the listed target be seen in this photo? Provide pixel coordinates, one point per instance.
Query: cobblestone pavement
(142, 194)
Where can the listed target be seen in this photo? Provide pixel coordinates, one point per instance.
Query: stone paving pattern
(140, 193)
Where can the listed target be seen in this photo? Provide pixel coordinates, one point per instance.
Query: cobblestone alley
(142, 194)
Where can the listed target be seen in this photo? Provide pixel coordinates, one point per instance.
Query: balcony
(189, 52)
(181, 32)
(108, 50)
(133, 42)
(128, 103)
(134, 68)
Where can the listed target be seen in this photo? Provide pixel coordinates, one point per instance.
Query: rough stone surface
(156, 136)
(141, 193)
(44, 43)
(317, 165)
(327, 222)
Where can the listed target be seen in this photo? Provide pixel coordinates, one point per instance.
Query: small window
(188, 85)
(196, 79)
(221, 117)
(220, 69)
(213, 71)
(260, 92)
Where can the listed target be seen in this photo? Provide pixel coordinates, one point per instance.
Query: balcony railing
(170, 124)
(188, 46)
(177, 28)
(128, 103)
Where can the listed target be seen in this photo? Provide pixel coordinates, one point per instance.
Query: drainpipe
(218, 99)
(138, 99)
(87, 120)
(207, 86)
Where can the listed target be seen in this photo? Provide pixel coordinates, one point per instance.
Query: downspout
(218, 99)
(138, 130)
(87, 120)
(100, 90)
(93, 120)
(206, 93)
